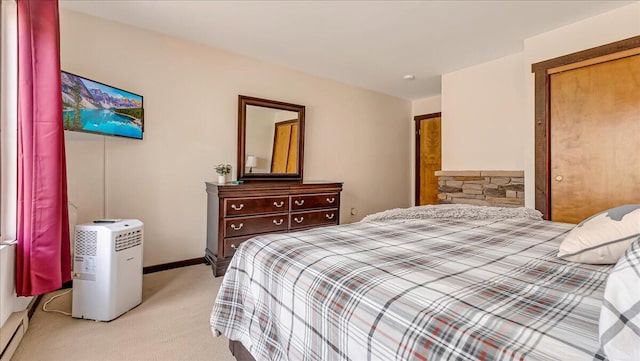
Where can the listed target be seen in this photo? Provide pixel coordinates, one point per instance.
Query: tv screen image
(93, 107)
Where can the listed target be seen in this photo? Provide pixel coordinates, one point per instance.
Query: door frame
(542, 71)
(417, 120)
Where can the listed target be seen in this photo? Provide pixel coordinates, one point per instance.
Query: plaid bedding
(441, 289)
(620, 315)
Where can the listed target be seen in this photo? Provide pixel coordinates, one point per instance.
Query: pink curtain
(43, 260)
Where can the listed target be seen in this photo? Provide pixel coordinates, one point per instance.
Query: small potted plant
(223, 170)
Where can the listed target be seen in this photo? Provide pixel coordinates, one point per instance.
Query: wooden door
(292, 159)
(594, 138)
(284, 158)
(428, 157)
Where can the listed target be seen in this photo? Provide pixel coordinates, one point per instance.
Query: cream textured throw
(461, 211)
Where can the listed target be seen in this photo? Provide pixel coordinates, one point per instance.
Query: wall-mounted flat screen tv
(92, 107)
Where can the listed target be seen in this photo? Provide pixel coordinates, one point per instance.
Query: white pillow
(619, 325)
(603, 237)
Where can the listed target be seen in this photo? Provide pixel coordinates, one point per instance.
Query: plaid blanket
(441, 289)
(620, 315)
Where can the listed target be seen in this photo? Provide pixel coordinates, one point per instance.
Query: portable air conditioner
(107, 269)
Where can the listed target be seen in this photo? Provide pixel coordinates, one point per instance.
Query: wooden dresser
(236, 213)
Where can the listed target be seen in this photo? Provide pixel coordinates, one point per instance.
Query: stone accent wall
(484, 188)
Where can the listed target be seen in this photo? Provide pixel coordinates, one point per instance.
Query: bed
(414, 286)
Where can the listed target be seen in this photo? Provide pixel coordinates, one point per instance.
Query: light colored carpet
(172, 323)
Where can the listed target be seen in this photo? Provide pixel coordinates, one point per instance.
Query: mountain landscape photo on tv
(93, 107)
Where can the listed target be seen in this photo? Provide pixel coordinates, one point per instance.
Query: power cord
(44, 307)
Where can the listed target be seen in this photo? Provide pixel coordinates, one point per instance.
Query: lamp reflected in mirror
(252, 161)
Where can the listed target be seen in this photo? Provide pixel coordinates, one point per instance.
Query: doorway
(284, 157)
(428, 157)
(588, 131)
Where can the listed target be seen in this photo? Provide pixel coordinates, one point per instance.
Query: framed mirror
(270, 140)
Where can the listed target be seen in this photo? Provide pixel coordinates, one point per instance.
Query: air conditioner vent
(128, 239)
(86, 243)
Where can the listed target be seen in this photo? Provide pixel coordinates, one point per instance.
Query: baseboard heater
(11, 333)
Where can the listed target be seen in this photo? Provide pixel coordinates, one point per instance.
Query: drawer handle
(237, 228)
(278, 204)
(277, 223)
(234, 246)
(237, 208)
(330, 216)
(331, 200)
(298, 220)
(299, 203)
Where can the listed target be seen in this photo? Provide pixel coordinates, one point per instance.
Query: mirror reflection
(271, 140)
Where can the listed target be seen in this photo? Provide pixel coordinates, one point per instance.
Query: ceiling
(370, 44)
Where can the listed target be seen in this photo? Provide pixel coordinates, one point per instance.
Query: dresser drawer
(231, 244)
(326, 200)
(246, 206)
(314, 218)
(240, 226)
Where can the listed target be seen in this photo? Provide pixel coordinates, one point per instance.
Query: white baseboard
(11, 334)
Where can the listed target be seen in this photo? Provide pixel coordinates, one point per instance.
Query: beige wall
(488, 109)
(482, 108)
(190, 97)
(426, 105)
(85, 181)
